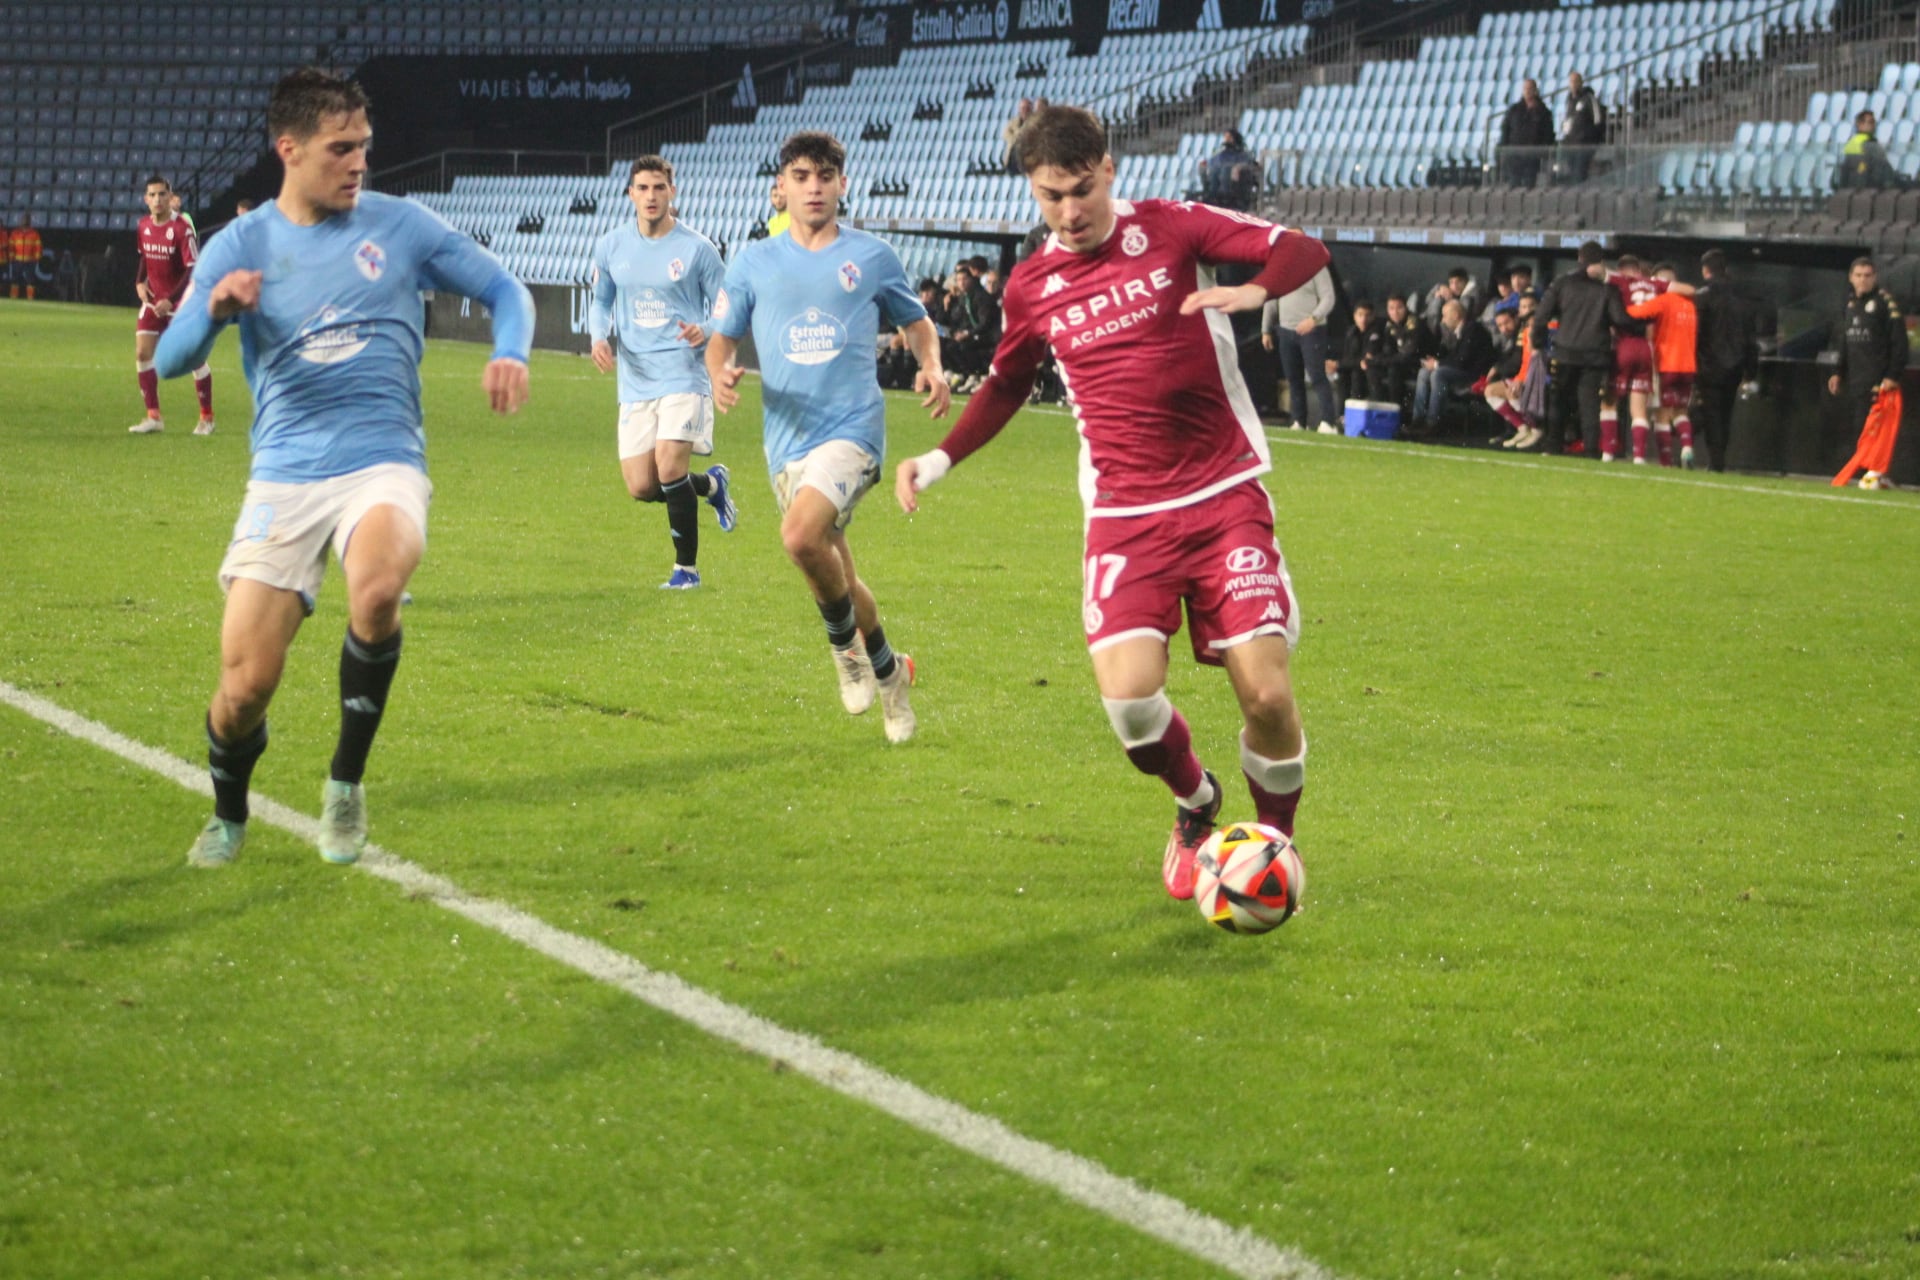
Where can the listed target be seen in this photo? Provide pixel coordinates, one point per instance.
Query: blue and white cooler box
(1374, 419)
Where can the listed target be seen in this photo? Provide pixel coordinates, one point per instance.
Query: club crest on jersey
(720, 305)
(1055, 283)
(371, 259)
(676, 269)
(169, 233)
(1133, 241)
(849, 276)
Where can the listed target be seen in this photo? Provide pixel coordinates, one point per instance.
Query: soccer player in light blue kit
(654, 282)
(815, 298)
(326, 285)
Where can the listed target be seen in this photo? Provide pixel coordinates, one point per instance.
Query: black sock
(366, 673)
(880, 653)
(231, 764)
(838, 615)
(702, 484)
(683, 521)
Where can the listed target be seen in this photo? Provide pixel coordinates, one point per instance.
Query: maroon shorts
(1632, 367)
(1217, 557)
(1676, 390)
(151, 321)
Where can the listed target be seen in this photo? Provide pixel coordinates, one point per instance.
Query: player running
(168, 250)
(1170, 460)
(814, 298)
(654, 282)
(326, 283)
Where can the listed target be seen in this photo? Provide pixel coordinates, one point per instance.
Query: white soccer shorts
(682, 416)
(283, 532)
(840, 469)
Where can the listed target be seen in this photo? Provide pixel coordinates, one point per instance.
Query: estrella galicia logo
(849, 276)
(371, 259)
(813, 337)
(1001, 19)
(649, 309)
(1246, 560)
(331, 335)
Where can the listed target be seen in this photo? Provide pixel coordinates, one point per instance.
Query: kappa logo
(1274, 612)
(1246, 560)
(849, 276)
(1133, 242)
(676, 269)
(1055, 283)
(371, 259)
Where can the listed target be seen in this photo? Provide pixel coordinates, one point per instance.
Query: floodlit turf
(1610, 965)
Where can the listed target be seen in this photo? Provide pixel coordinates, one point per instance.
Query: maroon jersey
(1164, 417)
(168, 251)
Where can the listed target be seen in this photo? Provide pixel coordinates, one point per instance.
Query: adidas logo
(365, 706)
(1053, 285)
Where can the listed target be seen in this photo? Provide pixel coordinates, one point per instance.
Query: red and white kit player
(168, 249)
(1633, 375)
(1170, 459)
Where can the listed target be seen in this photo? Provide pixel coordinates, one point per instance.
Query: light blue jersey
(643, 290)
(332, 352)
(816, 316)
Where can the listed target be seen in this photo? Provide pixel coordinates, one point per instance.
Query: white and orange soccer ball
(1249, 878)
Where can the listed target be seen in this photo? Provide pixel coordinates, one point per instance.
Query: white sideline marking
(1232, 1249)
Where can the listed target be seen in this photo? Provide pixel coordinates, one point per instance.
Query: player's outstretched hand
(692, 334)
(939, 394)
(505, 382)
(905, 491)
(603, 355)
(237, 291)
(725, 387)
(1244, 297)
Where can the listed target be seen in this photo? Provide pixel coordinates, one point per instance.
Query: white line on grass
(1233, 1249)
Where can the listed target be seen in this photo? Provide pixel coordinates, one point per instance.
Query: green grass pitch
(1609, 968)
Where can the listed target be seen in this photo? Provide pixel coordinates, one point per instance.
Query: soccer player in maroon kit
(1633, 374)
(1170, 459)
(168, 249)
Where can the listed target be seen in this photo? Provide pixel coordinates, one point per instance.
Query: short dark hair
(305, 98)
(651, 164)
(1459, 273)
(1591, 252)
(1630, 260)
(979, 263)
(1713, 262)
(1068, 138)
(815, 145)
(928, 282)
(1863, 262)
(1864, 115)
(155, 180)
(1520, 269)
(1362, 305)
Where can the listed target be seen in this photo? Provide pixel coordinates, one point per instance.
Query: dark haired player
(325, 282)
(169, 248)
(814, 299)
(1122, 293)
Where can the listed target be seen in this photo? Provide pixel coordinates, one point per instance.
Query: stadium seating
(99, 95)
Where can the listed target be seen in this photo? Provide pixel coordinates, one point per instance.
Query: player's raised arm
(1292, 260)
(204, 311)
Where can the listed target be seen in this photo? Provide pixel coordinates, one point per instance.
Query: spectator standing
(1295, 326)
(1230, 177)
(23, 248)
(1463, 353)
(1587, 309)
(1863, 161)
(1582, 128)
(1727, 353)
(1526, 135)
(1872, 346)
(1010, 134)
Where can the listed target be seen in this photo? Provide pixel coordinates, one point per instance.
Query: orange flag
(1875, 450)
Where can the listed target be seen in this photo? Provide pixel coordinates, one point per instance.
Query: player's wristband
(929, 467)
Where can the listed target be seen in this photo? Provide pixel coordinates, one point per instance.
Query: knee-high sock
(149, 385)
(366, 675)
(1610, 432)
(1640, 430)
(1276, 784)
(231, 766)
(1158, 741)
(683, 521)
(203, 387)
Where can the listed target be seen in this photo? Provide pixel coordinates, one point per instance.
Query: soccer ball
(1249, 878)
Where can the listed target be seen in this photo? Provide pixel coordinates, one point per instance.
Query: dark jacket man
(1529, 128)
(1872, 339)
(1726, 351)
(1470, 350)
(1863, 161)
(1404, 341)
(1589, 311)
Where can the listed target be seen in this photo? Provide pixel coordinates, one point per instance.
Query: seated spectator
(1463, 354)
(1863, 161)
(1501, 386)
(973, 321)
(1459, 286)
(1350, 366)
(1405, 340)
(1230, 177)
(1525, 136)
(1503, 300)
(1519, 285)
(897, 364)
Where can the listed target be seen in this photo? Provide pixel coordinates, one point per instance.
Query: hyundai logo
(1246, 560)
